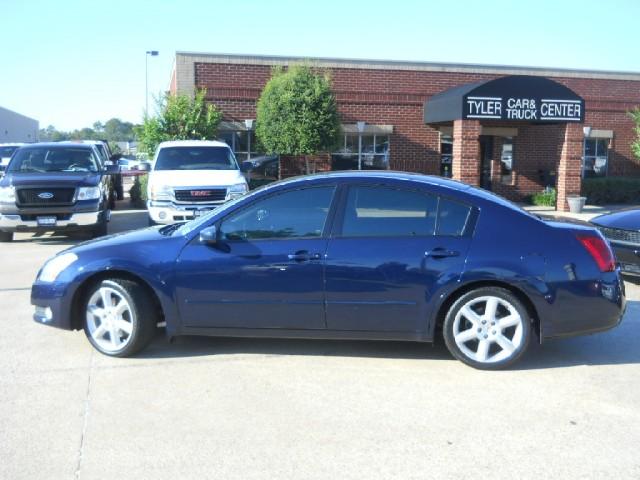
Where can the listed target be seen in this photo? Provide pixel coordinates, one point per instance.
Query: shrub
(138, 192)
(600, 191)
(546, 198)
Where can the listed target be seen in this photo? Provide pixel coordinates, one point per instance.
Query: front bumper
(16, 223)
(628, 256)
(52, 304)
(169, 212)
(81, 215)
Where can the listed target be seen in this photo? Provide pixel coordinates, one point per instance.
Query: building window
(374, 156)
(446, 155)
(506, 161)
(595, 159)
(238, 141)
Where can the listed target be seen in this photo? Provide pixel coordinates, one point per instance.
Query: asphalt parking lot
(247, 408)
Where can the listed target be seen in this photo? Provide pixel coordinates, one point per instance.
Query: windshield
(6, 152)
(195, 158)
(54, 159)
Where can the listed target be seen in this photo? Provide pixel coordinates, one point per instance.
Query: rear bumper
(585, 307)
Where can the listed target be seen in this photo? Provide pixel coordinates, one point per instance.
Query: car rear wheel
(120, 318)
(487, 328)
(6, 236)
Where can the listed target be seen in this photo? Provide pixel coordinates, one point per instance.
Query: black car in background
(622, 229)
(58, 187)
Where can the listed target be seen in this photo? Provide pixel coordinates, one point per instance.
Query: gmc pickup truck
(190, 177)
(56, 187)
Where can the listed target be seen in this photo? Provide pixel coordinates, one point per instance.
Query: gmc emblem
(199, 193)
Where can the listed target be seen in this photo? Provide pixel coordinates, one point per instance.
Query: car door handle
(303, 256)
(441, 253)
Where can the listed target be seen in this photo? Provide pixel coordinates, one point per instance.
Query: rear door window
(388, 212)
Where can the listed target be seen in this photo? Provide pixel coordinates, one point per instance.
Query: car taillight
(599, 249)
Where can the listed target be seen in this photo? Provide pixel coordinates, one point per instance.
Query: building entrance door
(486, 156)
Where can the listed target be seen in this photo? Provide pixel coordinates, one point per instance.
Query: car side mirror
(144, 167)
(209, 235)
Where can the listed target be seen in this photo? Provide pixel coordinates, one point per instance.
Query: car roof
(446, 183)
(59, 145)
(193, 143)
(386, 175)
(12, 144)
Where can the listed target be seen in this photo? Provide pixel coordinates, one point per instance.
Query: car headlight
(55, 266)
(160, 192)
(237, 190)
(89, 193)
(7, 195)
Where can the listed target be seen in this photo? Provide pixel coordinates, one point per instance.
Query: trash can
(576, 204)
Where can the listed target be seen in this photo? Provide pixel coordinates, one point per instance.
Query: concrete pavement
(265, 409)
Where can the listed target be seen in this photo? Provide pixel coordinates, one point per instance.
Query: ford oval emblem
(45, 195)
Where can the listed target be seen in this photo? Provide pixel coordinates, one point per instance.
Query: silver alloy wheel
(109, 319)
(488, 329)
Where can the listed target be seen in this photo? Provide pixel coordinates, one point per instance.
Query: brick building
(514, 130)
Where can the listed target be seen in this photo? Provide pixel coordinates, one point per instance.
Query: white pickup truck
(189, 178)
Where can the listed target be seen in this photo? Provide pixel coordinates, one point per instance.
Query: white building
(17, 128)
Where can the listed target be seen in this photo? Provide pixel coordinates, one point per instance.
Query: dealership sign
(532, 108)
(519, 98)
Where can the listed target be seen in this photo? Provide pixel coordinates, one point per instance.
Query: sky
(70, 63)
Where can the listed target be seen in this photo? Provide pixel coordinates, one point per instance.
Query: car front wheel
(120, 318)
(487, 328)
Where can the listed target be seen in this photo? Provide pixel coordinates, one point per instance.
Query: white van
(191, 177)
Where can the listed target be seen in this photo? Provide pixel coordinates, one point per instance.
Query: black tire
(100, 230)
(151, 222)
(6, 236)
(144, 316)
(112, 200)
(485, 331)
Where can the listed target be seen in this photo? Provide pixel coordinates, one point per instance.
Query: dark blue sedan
(375, 255)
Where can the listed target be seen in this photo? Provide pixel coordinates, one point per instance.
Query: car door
(266, 271)
(389, 251)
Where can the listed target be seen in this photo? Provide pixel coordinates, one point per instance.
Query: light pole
(153, 53)
(249, 124)
(360, 126)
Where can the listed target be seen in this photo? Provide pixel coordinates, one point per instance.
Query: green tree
(297, 113)
(180, 117)
(635, 145)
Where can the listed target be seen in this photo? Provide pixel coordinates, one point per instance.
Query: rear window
(195, 158)
(54, 159)
(452, 217)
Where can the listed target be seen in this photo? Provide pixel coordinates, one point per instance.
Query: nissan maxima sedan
(346, 255)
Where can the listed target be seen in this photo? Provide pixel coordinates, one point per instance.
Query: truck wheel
(99, 230)
(112, 200)
(6, 236)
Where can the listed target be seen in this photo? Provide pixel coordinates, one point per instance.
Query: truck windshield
(6, 152)
(195, 158)
(54, 159)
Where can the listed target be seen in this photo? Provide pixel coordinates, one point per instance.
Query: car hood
(196, 178)
(134, 239)
(51, 179)
(628, 219)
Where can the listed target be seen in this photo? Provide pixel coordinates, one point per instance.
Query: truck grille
(201, 195)
(618, 235)
(45, 196)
